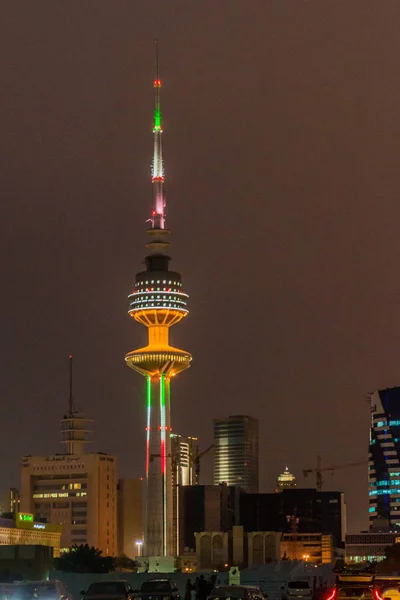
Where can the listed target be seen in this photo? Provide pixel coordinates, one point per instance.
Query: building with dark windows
(384, 463)
(206, 508)
(236, 452)
(311, 511)
(184, 459)
(369, 547)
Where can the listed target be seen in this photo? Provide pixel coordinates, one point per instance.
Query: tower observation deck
(158, 302)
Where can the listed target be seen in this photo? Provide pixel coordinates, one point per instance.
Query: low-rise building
(310, 547)
(24, 530)
(368, 546)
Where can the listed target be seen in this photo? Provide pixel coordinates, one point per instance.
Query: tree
(84, 559)
(124, 563)
(391, 562)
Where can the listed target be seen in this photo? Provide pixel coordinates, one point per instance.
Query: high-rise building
(285, 480)
(236, 452)
(158, 302)
(185, 471)
(77, 491)
(130, 517)
(384, 461)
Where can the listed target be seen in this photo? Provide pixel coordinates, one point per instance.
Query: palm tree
(84, 559)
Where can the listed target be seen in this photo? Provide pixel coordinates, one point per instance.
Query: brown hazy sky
(282, 144)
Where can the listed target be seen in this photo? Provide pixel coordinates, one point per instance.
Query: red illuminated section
(157, 83)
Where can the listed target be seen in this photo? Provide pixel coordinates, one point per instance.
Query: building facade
(206, 508)
(236, 452)
(78, 492)
(368, 546)
(185, 458)
(24, 531)
(285, 480)
(322, 513)
(130, 517)
(384, 461)
(10, 501)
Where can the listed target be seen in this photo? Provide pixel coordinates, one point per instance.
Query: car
(156, 589)
(41, 590)
(388, 586)
(237, 592)
(109, 590)
(355, 586)
(297, 589)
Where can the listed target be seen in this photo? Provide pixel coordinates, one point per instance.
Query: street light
(139, 545)
(306, 557)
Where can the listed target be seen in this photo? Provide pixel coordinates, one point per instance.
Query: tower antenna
(157, 71)
(70, 412)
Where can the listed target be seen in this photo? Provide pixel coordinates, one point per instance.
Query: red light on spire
(157, 83)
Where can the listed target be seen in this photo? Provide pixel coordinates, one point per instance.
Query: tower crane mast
(319, 481)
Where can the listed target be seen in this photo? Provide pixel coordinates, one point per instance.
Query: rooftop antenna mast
(71, 402)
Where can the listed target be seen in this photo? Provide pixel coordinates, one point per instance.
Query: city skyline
(307, 248)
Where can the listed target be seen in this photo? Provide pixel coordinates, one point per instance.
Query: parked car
(354, 586)
(157, 589)
(236, 592)
(41, 590)
(387, 586)
(109, 590)
(297, 589)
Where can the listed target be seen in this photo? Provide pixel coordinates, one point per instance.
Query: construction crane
(319, 470)
(197, 461)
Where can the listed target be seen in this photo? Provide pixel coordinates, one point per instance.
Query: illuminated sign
(26, 517)
(39, 526)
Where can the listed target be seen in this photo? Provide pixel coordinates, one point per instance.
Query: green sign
(25, 517)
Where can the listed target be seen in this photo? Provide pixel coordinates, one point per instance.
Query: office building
(296, 511)
(236, 452)
(368, 546)
(285, 480)
(185, 469)
(158, 302)
(384, 461)
(130, 517)
(206, 508)
(77, 491)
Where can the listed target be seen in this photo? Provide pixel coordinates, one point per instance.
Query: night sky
(281, 145)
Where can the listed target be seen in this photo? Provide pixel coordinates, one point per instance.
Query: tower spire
(158, 210)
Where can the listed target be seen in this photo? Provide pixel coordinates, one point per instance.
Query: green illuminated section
(25, 517)
(148, 391)
(157, 119)
(162, 391)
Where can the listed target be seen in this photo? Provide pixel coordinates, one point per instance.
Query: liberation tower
(158, 302)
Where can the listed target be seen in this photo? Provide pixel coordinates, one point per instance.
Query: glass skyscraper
(384, 463)
(236, 452)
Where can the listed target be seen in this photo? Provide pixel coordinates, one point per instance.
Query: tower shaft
(158, 523)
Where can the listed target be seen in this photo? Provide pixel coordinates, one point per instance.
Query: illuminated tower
(158, 302)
